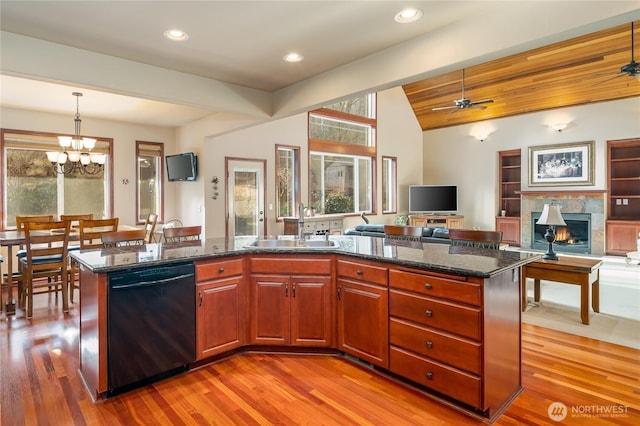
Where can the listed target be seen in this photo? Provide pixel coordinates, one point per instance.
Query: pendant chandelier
(76, 152)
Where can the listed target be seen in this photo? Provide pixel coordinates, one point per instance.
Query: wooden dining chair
(183, 233)
(45, 265)
(74, 223)
(150, 227)
(129, 237)
(475, 238)
(91, 231)
(90, 237)
(402, 232)
(21, 253)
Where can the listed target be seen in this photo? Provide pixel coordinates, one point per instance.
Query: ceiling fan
(632, 69)
(464, 103)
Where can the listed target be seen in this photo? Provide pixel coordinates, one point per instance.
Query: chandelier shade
(76, 152)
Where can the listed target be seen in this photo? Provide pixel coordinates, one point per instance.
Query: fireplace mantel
(595, 191)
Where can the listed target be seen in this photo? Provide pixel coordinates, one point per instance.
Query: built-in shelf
(623, 197)
(509, 176)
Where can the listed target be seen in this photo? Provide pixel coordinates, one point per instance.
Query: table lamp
(551, 217)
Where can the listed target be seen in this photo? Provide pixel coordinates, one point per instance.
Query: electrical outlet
(625, 202)
(618, 202)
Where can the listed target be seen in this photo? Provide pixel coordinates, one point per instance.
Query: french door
(246, 200)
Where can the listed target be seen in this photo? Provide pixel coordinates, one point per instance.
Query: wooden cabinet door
(622, 237)
(363, 322)
(510, 228)
(270, 311)
(311, 312)
(220, 316)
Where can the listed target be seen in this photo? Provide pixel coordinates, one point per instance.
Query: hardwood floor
(39, 385)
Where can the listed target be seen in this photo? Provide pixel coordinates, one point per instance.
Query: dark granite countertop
(443, 258)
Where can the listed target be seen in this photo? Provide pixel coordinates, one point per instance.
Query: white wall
(124, 137)
(453, 156)
(399, 135)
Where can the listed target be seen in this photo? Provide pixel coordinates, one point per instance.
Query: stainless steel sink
(293, 244)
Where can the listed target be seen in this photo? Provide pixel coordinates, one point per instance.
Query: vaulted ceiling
(573, 72)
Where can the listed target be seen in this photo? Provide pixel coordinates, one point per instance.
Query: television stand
(437, 220)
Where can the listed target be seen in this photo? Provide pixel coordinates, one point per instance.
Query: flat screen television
(182, 167)
(433, 198)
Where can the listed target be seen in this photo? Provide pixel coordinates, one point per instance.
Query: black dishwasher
(151, 324)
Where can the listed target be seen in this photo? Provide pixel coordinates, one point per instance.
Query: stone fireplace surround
(570, 202)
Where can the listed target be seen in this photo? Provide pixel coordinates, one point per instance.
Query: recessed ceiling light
(176, 35)
(408, 15)
(293, 57)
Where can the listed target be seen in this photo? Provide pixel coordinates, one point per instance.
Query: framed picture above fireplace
(562, 164)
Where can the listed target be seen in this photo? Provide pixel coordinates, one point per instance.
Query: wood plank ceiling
(573, 72)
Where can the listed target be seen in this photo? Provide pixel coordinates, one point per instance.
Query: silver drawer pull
(427, 286)
(429, 345)
(429, 375)
(428, 313)
(221, 270)
(359, 272)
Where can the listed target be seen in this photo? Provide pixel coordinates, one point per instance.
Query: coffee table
(566, 270)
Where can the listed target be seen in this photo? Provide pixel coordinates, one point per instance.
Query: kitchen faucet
(301, 222)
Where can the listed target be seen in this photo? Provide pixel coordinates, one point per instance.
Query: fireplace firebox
(573, 238)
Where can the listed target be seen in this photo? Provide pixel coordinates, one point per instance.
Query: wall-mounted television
(433, 198)
(182, 167)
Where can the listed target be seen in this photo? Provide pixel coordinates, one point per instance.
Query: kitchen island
(445, 319)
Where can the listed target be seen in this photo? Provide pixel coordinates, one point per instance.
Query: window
(149, 195)
(32, 187)
(389, 185)
(342, 156)
(287, 180)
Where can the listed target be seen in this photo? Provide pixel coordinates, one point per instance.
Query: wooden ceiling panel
(578, 71)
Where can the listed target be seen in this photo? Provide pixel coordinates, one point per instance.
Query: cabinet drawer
(212, 270)
(290, 265)
(335, 224)
(454, 383)
(448, 349)
(362, 272)
(428, 285)
(457, 319)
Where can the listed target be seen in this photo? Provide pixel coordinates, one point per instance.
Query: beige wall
(453, 156)
(124, 137)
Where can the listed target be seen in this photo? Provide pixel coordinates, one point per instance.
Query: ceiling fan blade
(476, 106)
(620, 74)
(455, 110)
(485, 101)
(443, 108)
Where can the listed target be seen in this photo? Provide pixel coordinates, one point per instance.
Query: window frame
(296, 179)
(161, 171)
(320, 146)
(393, 174)
(109, 207)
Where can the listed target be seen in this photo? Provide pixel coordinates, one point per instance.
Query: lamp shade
(551, 215)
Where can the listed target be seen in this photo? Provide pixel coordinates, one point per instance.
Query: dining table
(12, 239)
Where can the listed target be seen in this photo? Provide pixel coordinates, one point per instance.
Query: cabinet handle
(429, 375)
(286, 290)
(200, 295)
(428, 313)
(427, 286)
(221, 270)
(429, 344)
(359, 272)
(340, 293)
(293, 290)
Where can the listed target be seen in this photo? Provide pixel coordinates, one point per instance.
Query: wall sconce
(558, 127)
(481, 136)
